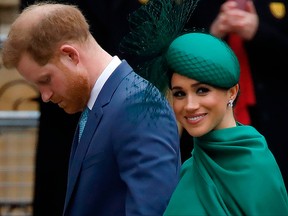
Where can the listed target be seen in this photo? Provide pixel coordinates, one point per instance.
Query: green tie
(83, 120)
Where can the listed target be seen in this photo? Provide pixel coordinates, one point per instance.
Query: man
(108, 23)
(127, 160)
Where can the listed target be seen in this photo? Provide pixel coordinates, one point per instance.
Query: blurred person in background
(268, 54)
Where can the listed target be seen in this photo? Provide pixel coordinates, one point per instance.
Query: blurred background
(19, 114)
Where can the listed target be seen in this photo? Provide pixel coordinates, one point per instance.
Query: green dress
(231, 172)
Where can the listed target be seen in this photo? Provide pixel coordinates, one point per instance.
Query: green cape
(231, 172)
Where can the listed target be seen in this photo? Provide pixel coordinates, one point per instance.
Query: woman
(231, 170)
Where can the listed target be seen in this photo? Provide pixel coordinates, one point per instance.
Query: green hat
(205, 58)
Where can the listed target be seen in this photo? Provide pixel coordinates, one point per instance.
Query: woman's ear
(69, 53)
(233, 92)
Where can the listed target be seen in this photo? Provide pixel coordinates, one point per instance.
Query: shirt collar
(102, 79)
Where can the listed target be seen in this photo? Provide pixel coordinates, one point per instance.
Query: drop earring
(230, 103)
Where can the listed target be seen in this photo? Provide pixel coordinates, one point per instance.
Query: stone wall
(18, 136)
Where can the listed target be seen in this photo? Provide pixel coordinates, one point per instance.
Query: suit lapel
(79, 149)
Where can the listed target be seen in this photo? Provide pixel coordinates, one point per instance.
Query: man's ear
(70, 53)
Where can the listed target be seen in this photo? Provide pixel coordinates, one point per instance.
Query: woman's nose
(192, 104)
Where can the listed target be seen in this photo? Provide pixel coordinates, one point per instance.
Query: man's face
(61, 83)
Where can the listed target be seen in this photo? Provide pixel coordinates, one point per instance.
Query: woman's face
(199, 107)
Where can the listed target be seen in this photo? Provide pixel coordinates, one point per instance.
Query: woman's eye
(202, 90)
(178, 94)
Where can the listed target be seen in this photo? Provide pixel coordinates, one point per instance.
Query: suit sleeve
(148, 154)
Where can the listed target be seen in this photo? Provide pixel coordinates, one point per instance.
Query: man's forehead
(28, 68)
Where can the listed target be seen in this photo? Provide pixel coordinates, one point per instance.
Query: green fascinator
(153, 27)
(158, 38)
(205, 58)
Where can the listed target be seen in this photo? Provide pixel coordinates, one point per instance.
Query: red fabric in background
(247, 95)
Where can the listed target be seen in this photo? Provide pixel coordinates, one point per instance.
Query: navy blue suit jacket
(127, 161)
